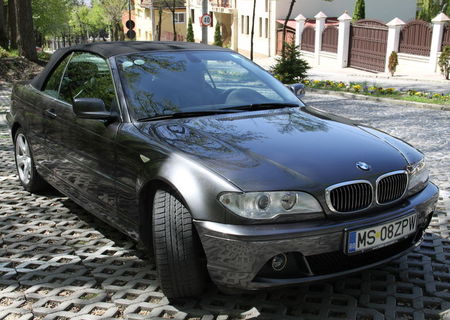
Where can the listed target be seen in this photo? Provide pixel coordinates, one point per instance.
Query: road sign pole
(205, 28)
(129, 9)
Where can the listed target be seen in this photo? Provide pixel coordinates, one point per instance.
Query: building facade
(235, 17)
(147, 14)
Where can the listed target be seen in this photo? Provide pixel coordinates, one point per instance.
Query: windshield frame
(127, 101)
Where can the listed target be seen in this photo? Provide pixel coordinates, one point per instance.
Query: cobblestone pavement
(59, 262)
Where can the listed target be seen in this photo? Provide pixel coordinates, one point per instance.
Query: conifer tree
(218, 36)
(360, 10)
(190, 32)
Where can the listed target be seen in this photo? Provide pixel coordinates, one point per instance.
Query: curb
(378, 99)
(386, 77)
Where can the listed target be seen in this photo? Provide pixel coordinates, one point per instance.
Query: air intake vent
(391, 187)
(350, 197)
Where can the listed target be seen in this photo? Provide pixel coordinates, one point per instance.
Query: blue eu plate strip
(352, 241)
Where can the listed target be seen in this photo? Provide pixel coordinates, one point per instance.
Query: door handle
(50, 113)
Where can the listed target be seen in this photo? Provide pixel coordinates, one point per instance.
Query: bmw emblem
(363, 166)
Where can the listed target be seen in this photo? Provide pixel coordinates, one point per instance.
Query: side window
(88, 76)
(54, 80)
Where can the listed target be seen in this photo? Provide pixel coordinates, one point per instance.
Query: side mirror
(297, 88)
(92, 108)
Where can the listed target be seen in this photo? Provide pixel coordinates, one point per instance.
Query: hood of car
(284, 149)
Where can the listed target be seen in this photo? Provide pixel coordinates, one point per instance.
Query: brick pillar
(343, 40)
(320, 25)
(436, 42)
(299, 26)
(393, 41)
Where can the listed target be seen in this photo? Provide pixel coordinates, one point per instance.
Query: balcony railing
(221, 3)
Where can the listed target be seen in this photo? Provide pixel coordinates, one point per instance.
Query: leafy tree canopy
(51, 16)
(428, 9)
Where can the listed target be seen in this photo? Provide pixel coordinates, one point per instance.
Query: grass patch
(379, 92)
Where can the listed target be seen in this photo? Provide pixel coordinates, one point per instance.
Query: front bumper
(238, 255)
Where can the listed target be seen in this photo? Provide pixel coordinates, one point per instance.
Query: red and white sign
(205, 20)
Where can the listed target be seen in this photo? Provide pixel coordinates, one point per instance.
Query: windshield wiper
(263, 106)
(187, 114)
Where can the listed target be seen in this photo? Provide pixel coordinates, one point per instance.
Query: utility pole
(205, 28)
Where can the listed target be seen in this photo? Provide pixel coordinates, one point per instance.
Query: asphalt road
(57, 260)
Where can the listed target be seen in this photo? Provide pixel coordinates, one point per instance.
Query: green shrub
(44, 56)
(393, 63)
(290, 68)
(190, 32)
(3, 53)
(444, 62)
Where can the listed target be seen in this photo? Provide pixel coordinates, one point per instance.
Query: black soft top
(110, 49)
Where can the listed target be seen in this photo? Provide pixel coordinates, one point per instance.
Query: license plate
(381, 235)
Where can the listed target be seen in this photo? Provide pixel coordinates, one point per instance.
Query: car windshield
(165, 83)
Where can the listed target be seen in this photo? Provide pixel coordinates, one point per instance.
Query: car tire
(177, 248)
(30, 179)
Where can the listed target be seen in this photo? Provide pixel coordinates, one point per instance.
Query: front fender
(196, 185)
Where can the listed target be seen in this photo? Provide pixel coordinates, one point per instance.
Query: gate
(330, 39)
(290, 37)
(368, 45)
(415, 38)
(308, 39)
(446, 37)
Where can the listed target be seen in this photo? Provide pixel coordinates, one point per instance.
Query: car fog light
(288, 201)
(263, 202)
(279, 262)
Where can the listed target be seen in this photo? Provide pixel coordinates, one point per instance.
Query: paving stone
(59, 262)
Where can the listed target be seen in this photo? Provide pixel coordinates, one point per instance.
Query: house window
(247, 25)
(147, 13)
(260, 27)
(211, 14)
(193, 16)
(266, 5)
(242, 24)
(180, 17)
(266, 29)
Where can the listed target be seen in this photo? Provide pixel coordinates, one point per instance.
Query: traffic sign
(131, 34)
(130, 24)
(206, 20)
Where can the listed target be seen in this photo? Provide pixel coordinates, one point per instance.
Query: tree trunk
(283, 45)
(174, 28)
(12, 24)
(160, 22)
(173, 21)
(253, 30)
(26, 42)
(3, 34)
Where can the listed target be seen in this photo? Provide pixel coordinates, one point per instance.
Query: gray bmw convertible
(216, 166)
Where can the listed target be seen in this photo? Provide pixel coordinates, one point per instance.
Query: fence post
(343, 39)
(320, 25)
(393, 40)
(299, 26)
(436, 41)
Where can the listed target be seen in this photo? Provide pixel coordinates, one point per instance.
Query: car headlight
(418, 176)
(268, 205)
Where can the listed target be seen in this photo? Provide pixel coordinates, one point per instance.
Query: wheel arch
(16, 126)
(194, 185)
(145, 202)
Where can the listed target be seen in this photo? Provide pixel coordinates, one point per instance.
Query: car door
(50, 101)
(85, 148)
